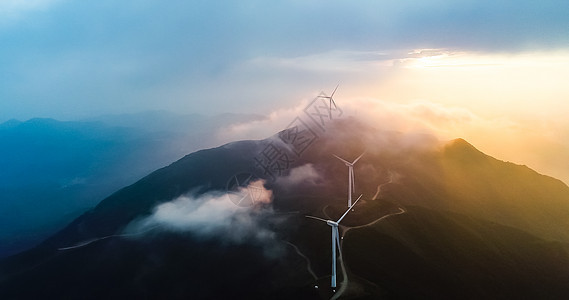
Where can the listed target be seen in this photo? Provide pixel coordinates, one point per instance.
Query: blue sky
(486, 71)
(65, 59)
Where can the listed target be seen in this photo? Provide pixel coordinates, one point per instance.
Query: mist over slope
(437, 220)
(52, 171)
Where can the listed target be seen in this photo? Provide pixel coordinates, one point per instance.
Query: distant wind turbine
(335, 238)
(351, 179)
(331, 101)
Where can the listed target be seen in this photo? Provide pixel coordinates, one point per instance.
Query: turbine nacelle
(351, 176)
(332, 223)
(331, 98)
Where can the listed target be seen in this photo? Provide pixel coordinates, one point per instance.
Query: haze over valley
(279, 150)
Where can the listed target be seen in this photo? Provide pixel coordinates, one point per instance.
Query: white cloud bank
(213, 215)
(305, 174)
(538, 141)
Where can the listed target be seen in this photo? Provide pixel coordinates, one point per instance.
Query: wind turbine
(331, 101)
(351, 183)
(335, 238)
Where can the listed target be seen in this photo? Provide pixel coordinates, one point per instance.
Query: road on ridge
(345, 280)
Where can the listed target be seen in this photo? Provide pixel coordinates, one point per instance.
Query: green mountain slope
(438, 221)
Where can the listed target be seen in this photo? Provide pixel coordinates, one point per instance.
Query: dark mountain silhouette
(52, 171)
(10, 124)
(439, 220)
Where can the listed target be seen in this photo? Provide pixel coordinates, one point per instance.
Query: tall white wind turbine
(331, 101)
(351, 179)
(335, 238)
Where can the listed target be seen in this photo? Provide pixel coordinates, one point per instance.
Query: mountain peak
(448, 206)
(462, 150)
(461, 143)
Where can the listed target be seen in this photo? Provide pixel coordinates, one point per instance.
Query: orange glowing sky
(491, 72)
(511, 106)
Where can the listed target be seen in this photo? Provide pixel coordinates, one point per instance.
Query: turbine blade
(333, 102)
(334, 91)
(357, 200)
(350, 208)
(355, 161)
(345, 161)
(317, 218)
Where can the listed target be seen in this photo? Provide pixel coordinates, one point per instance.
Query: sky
(491, 72)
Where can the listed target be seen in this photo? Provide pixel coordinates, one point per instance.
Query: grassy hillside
(424, 254)
(445, 222)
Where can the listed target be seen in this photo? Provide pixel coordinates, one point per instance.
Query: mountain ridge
(429, 216)
(51, 171)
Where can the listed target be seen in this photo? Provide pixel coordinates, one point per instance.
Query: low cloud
(273, 122)
(305, 174)
(214, 215)
(544, 149)
(420, 116)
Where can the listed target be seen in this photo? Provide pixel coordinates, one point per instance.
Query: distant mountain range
(52, 171)
(438, 220)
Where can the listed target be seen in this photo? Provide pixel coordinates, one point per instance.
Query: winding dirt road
(345, 229)
(87, 242)
(308, 265)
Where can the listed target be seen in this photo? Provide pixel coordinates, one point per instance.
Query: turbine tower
(335, 239)
(331, 101)
(351, 183)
